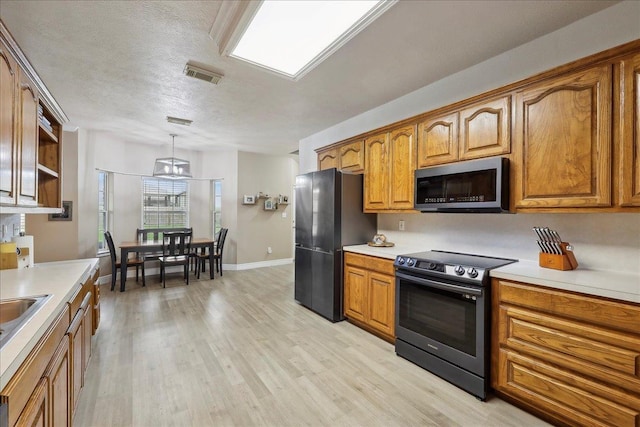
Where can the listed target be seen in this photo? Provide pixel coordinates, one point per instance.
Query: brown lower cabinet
(45, 389)
(571, 358)
(369, 294)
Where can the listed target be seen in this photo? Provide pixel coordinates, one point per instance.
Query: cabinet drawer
(576, 400)
(371, 263)
(596, 311)
(594, 352)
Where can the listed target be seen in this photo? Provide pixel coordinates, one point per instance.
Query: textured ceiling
(117, 66)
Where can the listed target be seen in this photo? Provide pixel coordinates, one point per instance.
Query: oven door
(445, 319)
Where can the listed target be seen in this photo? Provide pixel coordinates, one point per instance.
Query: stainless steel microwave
(470, 186)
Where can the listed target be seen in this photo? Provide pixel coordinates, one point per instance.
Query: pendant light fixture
(171, 167)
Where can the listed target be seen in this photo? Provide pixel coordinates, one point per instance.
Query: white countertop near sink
(603, 283)
(58, 279)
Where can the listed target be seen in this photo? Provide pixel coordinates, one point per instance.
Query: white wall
(602, 241)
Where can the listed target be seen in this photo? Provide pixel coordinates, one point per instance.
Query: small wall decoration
(283, 199)
(269, 205)
(66, 214)
(249, 200)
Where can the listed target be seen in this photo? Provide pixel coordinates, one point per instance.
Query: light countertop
(60, 280)
(603, 283)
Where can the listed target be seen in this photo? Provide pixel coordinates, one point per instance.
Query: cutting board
(8, 256)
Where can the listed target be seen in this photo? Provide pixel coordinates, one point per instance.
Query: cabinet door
(629, 167)
(36, 414)
(87, 325)
(352, 157)
(76, 332)
(28, 125)
(376, 172)
(60, 386)
(96, 306)
(564, 142)
(8, 86)
(438, 140)
(355, 292)
(381, 310)
(485, 129)
(328, 159)
(402, 148)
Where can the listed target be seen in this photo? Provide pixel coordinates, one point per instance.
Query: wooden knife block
(8, 256)
(564, 261)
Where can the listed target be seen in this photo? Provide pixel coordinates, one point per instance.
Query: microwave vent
(202, 74)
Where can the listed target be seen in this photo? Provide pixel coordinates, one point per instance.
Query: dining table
(150, 246)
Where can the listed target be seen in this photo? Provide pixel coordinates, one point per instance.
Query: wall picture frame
(66, 214)
(269, 205)
(248, 199)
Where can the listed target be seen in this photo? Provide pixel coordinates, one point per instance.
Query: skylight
(291, 37)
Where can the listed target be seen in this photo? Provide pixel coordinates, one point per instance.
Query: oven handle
(440, 285)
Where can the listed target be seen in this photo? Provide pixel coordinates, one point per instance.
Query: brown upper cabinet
(485, 129)
(389, 170)
(563, 140)
(571, 135)
(376, 172)
(347, 157)
(351, 157)
(481, 129)
(629, 128)
(438, 140)
(30, 135)
(8, 139)
(402, 162)
(328, 159)
(28, 131)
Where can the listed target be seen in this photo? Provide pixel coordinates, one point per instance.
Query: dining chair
(176, 250)
(136, 262)
(217, 256)
(200, 258)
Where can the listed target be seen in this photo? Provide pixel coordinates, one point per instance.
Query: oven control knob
(400, 260)
(459, 270)
(432, 266)
(472, 272)
(411, 262)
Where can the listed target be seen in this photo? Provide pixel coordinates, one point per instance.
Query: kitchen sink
(15, 313)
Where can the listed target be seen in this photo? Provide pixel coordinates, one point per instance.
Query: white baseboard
(230, 267)
(260, 264)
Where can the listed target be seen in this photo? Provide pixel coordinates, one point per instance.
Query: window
(291, 37)
(165, 203)
(216, 206)
(103, 209)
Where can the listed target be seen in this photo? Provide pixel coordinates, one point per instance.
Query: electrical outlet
(269, 250)
(401, 225)
(284, 214)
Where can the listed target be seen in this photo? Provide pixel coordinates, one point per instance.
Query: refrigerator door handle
(317, 249)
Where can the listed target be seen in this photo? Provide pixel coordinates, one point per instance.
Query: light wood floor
(239, 350)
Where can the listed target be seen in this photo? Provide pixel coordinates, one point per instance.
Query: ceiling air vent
(202, 74)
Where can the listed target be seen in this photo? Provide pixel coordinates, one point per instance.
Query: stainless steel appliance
(443, 315)
(328, 216)
(471, 186)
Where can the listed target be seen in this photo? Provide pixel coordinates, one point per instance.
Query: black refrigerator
(328, 216)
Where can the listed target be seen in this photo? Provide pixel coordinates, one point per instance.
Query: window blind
(165, 203)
